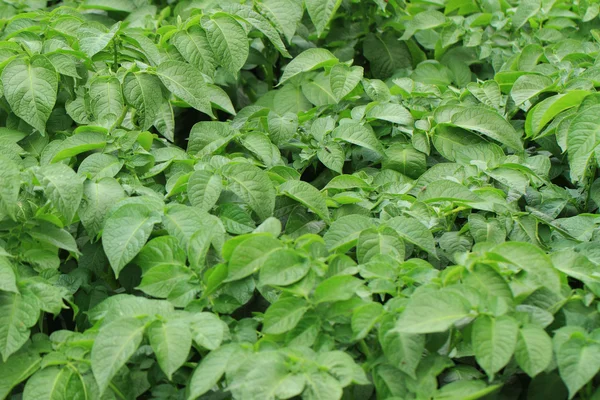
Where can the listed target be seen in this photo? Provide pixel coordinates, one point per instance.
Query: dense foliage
(317, 199)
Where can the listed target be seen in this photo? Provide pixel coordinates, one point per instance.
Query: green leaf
(16, 369)
(422, 21)
(50, 234)
(534, 350)
(321, 12)
(282, 128)
(372, 242)
(208, 330)
(159, 281)
(284, 315)
(204, 189)
(115, 344)
(63, 187)
(490, 124)
(183, 222)
(406, 160)
(171, 342)
(283, 267)
(403, 350)
(228, 41)
(52, 383)
(446, 190)
(93, 40)
(344, 232)
(320, 386)
(332, 156)
(582, 139)
(98, 198)
(529, 86)
(546, 110)
(465, 390)
(413, 231)
(494, 341)
(106, 100)
(578, 362)
(210, 370)
(163, 250)
(125, 233)
(10, 185)
(250, 255)
(392, 113)
(196, 49)
(18, 313)
(386, 54)
(360, 135)
(336, 288)
(8, 280)
(143, 92)
(283, 14)
(431, 312)
(30, 88)
(308, 60)
(186, 82)
(308, 195)
(98, 166)
(364, 319)
(79, 143)
(253, 186)
(343, 79)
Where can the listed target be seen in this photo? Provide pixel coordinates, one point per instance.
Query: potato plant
(299, 199)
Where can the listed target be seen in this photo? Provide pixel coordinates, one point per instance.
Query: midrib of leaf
(386, 50)
(178, 85)
(132, 235)
(11, 318)
(30, 76)
(330, 95)
(441, 319)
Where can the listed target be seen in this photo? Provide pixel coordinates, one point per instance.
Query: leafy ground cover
(316, 199)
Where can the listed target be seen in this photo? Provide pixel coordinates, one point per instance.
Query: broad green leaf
(204, 189)
(125, 233)
(283, 14)
(63, 187)
(93, 40)
(582, 139)
(282, 128)
(250, 255)
(171, 341)
(494, 341)
(431, 312)
(185, 82)
(196, 49)
(546, 110)
(386, 54)
(466, 390)
(260, 23)
(336, 288)
(284, 315)
(403, 350)
(50, 234)
(308, 195)
(578, 362)
(321, 12)
(208, 330)
(143, 92)
(529, 86)
(391, 112)
(332, 156)
(17, 314)
(16, 369)
(405, 159)
(210, 370)
(51, 383)
(228, 41)
(446, 190)
(253, 186)
(159, 281)
(30, 87)
(413, 231)
(10, 185)
(209, 136)
(343, 79)
(106, 100)
(364, 319)
(110, 5)
(8, 280)
(320, 385)
(490, 124)
(183, 222)
(283, 267)
(422, 21)
(115, 344)
(344, 232)
(308, 60)
(360, 135)
(525, 10)
(163, 250)
(219, 98)
(372, 242)
(119, 306)
(98, 166)
(80, 143)
(534, 350)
